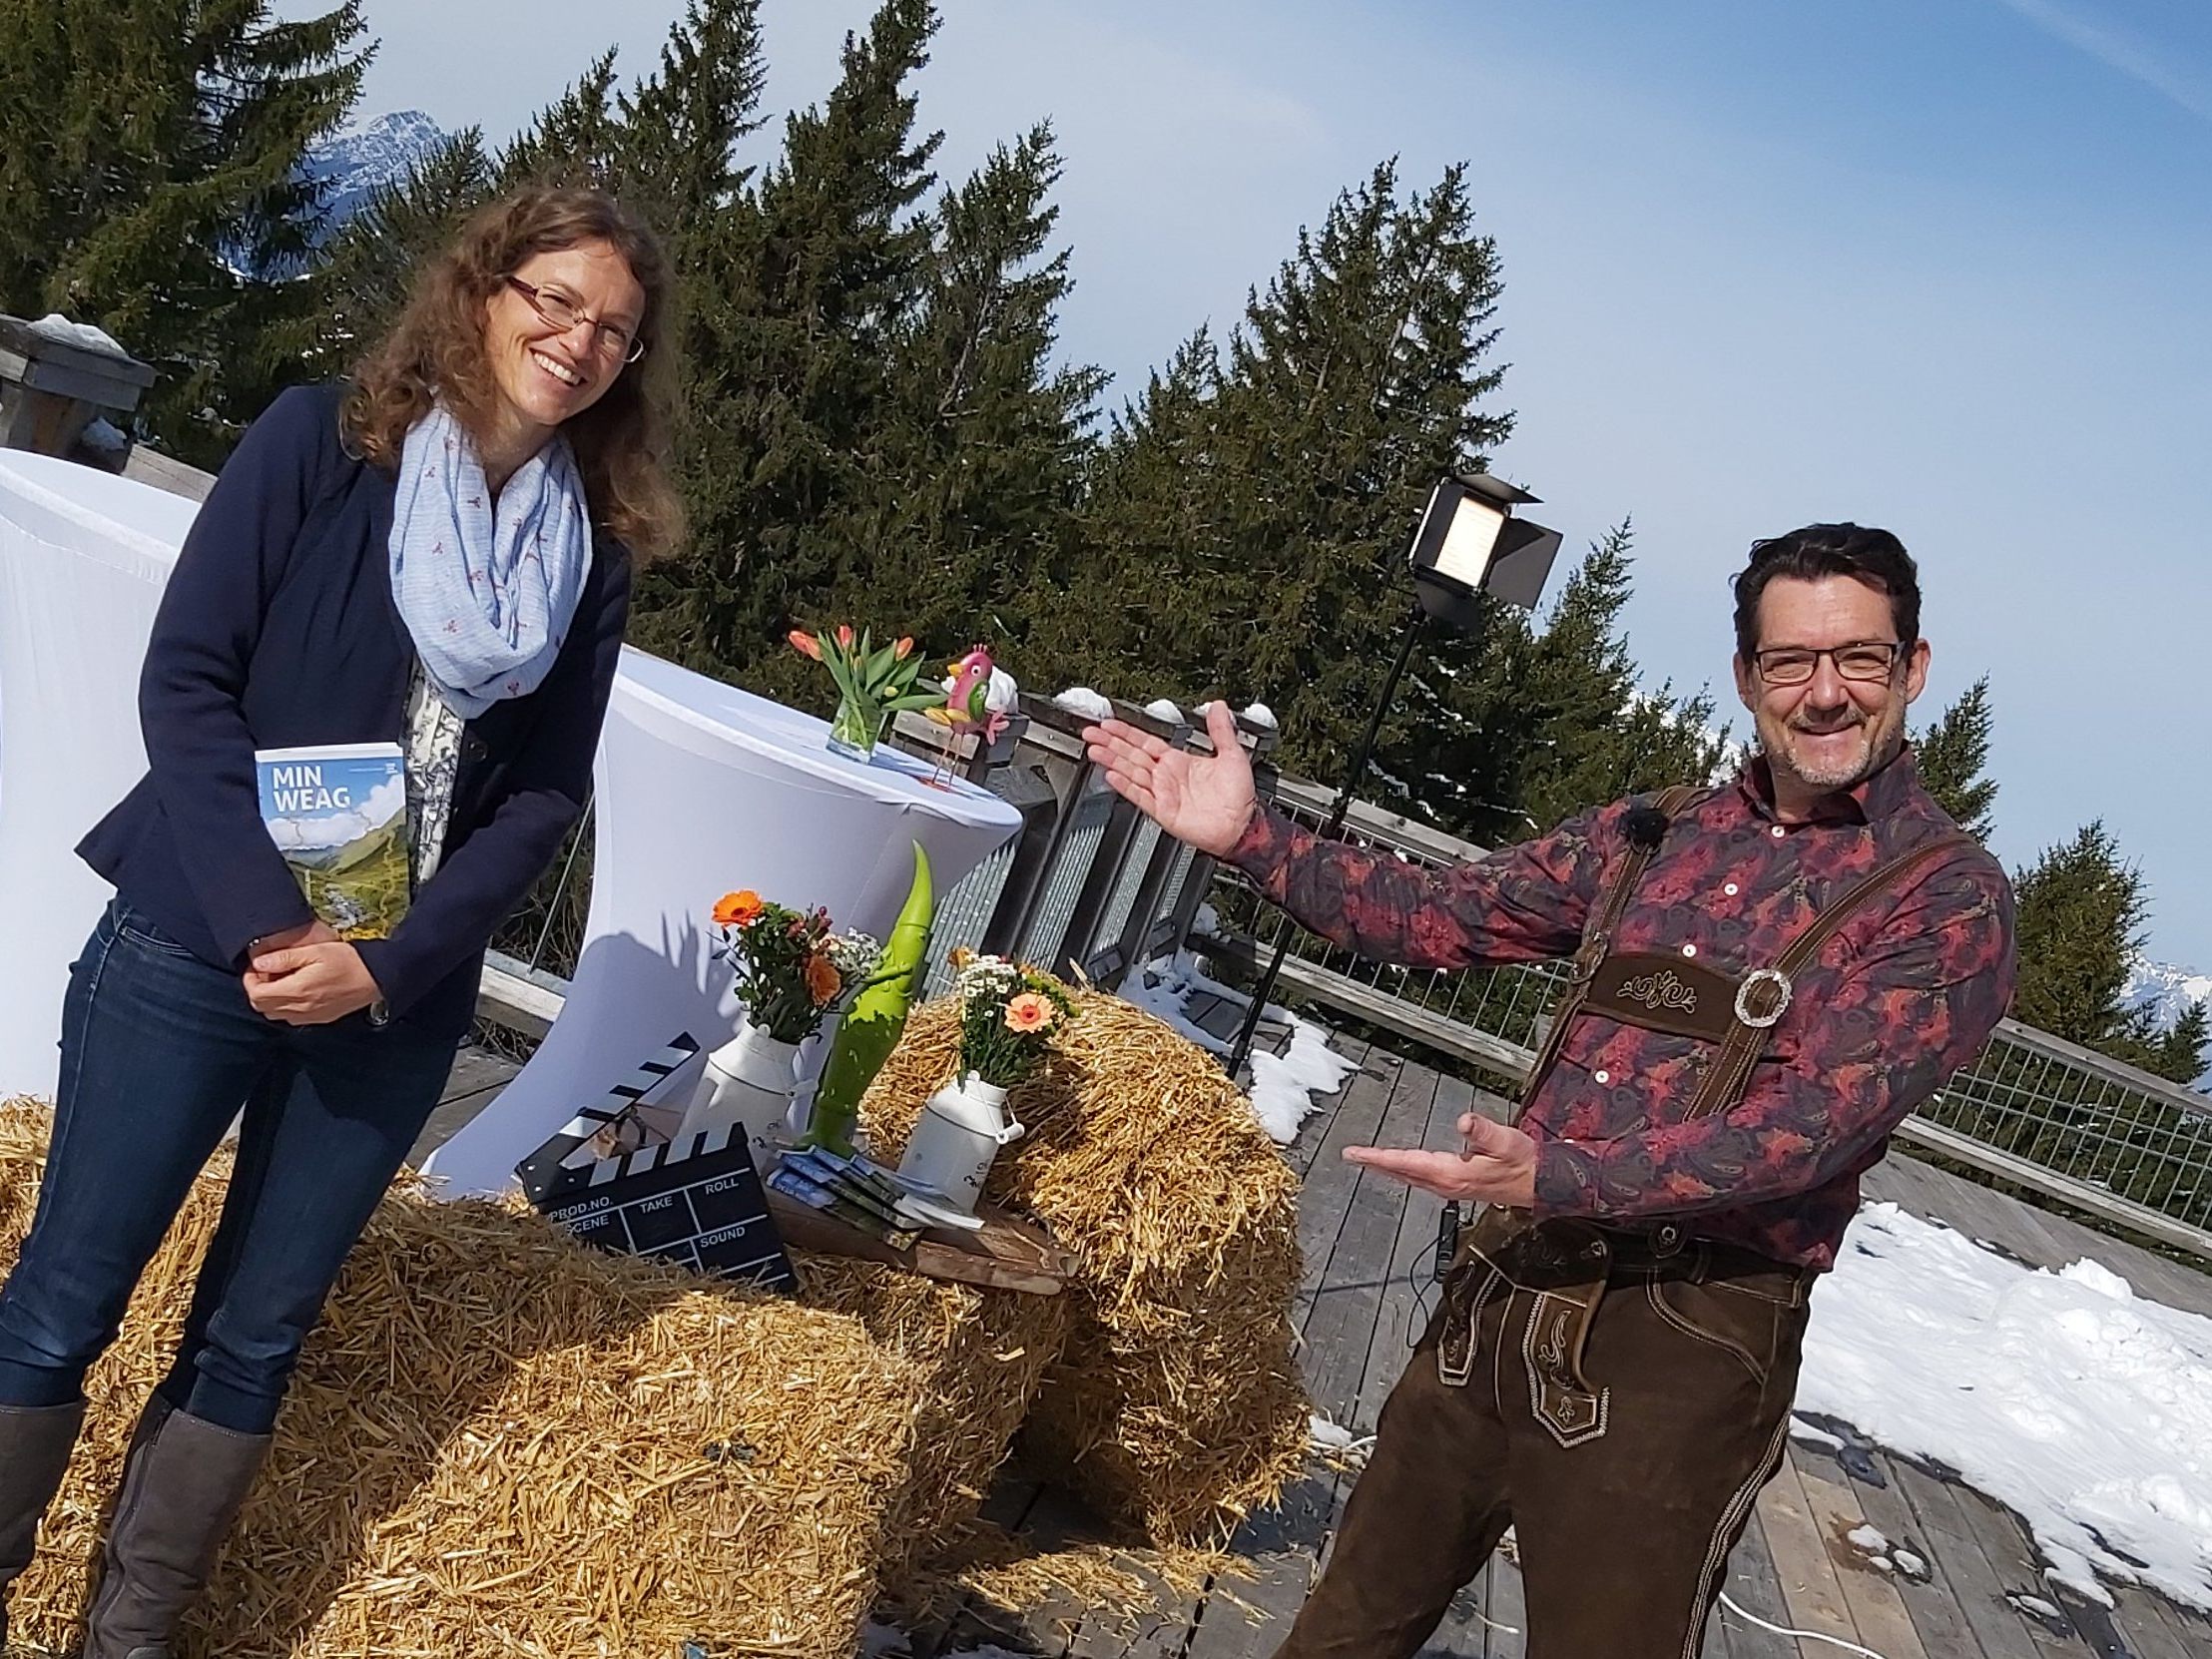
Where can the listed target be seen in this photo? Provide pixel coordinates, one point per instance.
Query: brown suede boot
(35, 1443)
(182, 1486)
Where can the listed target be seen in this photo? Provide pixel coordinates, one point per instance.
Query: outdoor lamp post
(1468, 544)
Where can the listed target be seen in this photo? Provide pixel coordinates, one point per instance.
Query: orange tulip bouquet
(792, 971)
(873, 683)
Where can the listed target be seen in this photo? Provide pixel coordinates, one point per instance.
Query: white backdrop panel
(703, 789)
(82, 559)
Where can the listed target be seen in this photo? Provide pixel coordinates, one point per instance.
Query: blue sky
(1938, 264)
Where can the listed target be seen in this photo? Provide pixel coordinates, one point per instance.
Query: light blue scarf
(487, 592)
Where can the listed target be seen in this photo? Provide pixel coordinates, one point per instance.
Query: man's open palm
(1203, 799)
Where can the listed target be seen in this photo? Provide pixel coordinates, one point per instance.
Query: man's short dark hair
(1875, 557)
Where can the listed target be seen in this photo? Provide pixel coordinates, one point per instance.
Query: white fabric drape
(703, 789)
(84, 556)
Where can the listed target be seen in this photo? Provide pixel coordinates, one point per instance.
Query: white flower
(986, 977)
(854, 955)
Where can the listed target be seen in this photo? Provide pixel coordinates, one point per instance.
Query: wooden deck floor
(1368, 1243)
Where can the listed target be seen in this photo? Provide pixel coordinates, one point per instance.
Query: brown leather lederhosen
(1565, 1265)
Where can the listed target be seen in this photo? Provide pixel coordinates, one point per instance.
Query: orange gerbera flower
(1028, 1013)
(734, 909)
(823, 980)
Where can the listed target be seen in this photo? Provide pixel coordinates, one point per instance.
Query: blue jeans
(159, 1054)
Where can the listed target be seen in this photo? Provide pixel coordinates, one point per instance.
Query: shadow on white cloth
(703, 789)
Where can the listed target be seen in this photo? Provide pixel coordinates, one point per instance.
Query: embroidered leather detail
(1658, 991)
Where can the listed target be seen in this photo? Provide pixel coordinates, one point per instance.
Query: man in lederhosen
(1768, 976)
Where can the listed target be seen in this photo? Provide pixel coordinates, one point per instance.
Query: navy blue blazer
(279, 628)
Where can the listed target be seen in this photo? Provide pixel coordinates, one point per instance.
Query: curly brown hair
(436, 349)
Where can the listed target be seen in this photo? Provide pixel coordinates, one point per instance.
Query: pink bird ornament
(967, 698)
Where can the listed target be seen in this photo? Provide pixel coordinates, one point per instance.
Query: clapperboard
(698, 1205)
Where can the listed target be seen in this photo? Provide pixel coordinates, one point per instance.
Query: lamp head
(1470, 544)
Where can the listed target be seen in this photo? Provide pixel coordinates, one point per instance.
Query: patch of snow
(1284, 1086)
(1083, 701)
(102, 437)
(1162, 709)
(55, 326)
(1909, 1564)
(1329, 1436)
(1334, 1443)
(1868, 1539)
(2035, 1607)
(1206, 919)
(1804, 1432)
(1261, 715)
(2062, 1394)
(1003, 695)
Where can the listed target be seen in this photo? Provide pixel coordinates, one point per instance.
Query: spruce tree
(675, 157)
(572, 139)
(804, 293)
(1249, 521)
(150, 183)
(1596, 735)
(976, 459)
(2081, 911)
(1250, 517)
(2177, 1053)
(1952, 754)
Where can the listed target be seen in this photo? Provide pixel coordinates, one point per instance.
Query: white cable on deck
(1800, 1635)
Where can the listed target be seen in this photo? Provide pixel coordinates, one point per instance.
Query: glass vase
(855, 729)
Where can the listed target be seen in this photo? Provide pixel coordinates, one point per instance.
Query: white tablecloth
(83, 560)
(703, 789)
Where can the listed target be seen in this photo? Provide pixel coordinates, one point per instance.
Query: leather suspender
(1766, 991)
(1597, 940)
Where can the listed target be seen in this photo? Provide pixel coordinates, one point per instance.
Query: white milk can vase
(748, 1085)
(955, 1139)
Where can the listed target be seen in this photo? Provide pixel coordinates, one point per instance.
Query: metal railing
(2031, 1108)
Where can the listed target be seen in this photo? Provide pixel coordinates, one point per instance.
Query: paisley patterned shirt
(1905, 993)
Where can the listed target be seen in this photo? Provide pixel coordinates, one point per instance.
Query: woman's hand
(1202, 800)
(312, 983)
(317, 931)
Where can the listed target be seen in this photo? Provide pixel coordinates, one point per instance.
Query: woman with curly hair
(436, 554)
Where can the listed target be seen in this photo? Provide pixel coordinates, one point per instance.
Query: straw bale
(1177, 1406)
(501, 1442)
(981, 1355)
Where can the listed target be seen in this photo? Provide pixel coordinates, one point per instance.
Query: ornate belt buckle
(1767, 975)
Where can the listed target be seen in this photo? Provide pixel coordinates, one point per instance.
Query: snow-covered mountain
(2166, 990)
(371, 154)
